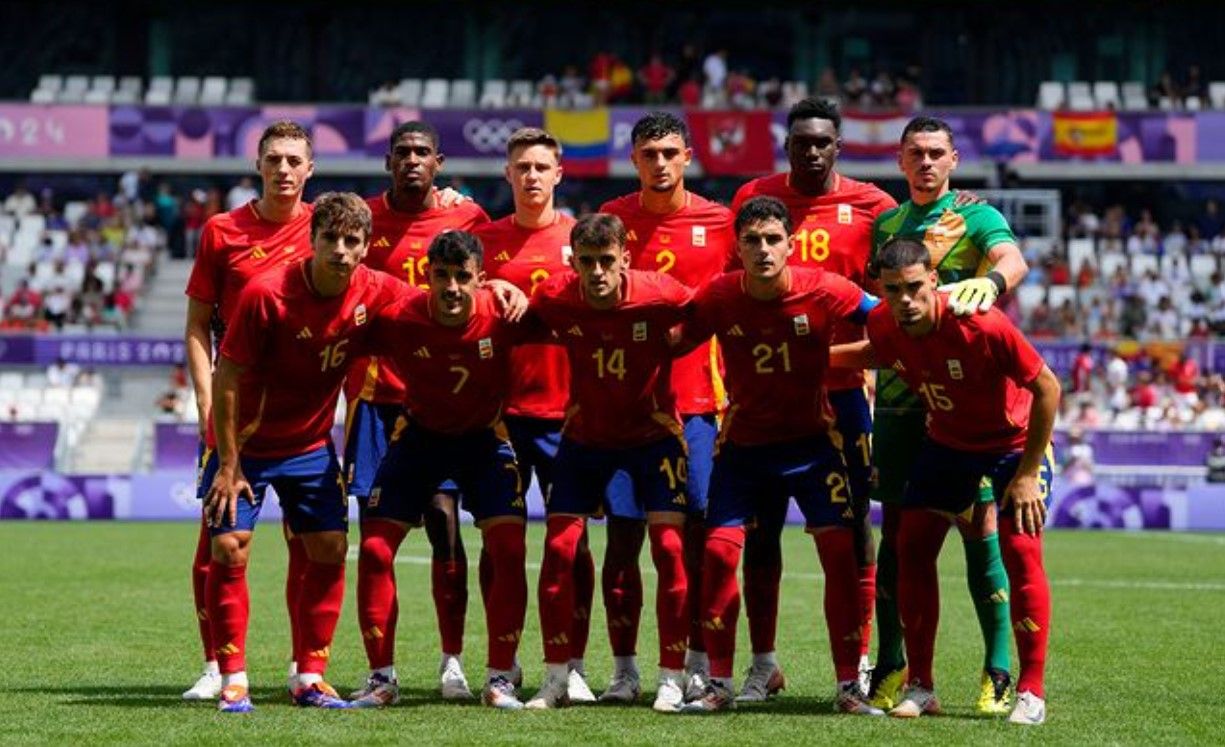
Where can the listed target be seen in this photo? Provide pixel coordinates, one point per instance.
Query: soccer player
(774, 323)
(615, 324)
(235, 248)
(526, 248)
(406, 218)
(991, 403)
(281, 368)
(973, 249)
(453, 348)
(832, 215)
(673, 231)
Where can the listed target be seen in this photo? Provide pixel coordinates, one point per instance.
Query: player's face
(533, 173)
(601, 269)
(911, 295)
(812, 148)
(339, 250)
(661, 163)
(413, 162)
(452, 288)
(764, 247)
(927, 159)
(284, 166)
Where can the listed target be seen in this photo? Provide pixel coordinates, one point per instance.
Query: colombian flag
(584, 137)
(1085, 134)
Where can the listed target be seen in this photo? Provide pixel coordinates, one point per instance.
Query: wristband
(1001, 285)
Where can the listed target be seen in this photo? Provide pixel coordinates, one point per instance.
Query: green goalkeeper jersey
(959, 239)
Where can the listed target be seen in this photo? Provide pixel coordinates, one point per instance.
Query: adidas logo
(382, 242)
(202, 614)
(621, 622)
(322, 653)
(1027, 626)
(559, 640)
(258, 253)
(735, 331)
(999, 596)
(713, 624)
(678, 647)
(373, 634)
(502, 257)
(229, 649)
(679, 499)
(576, 331)
(305, 334)
(511, 637)
(422, 352)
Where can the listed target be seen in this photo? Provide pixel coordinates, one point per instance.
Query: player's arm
(855, 355)
(511, 299)
(198, 340)
(221, 504)
(1024, 493)
(1008, 267)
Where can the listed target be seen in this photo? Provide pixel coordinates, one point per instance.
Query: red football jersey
(295, 346)
(693, 245)
(527, 257)
(970, 371)
(832, 231)
(776, 352)
(398, 246)
(238, 246)
(620, 358)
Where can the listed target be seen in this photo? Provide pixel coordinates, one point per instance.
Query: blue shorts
(368, 430)
(420, 462)
(701, 432)
(583, 478)
(310, 487)
(952, 480)
(752, 480)
(853, 419)
(535, 441)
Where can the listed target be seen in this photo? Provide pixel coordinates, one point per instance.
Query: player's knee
(762, 549)
(232, 548)
(625, 539)
(328, 548)
(376, 555)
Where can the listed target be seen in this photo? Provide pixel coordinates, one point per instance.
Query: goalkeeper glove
(974, 295)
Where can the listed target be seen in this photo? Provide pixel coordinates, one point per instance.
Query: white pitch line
(1174, 537)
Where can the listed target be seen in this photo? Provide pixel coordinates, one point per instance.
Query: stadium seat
(1108, 262)
(74, 211)
(434, 93)
(55, 396)
(187, 90)
(131, 83)
(52, 83)
(161, 87)
(1134, 97)
(11, 380)
(1166, 104)
(409, 91)
(1079, 251)
(1216, 94)
(1057, 294)
(1192, 103)
(103, 83)
(1029, 296)
(105, 272)
(94, 96)
(42, 96)
(74, 90)
(1106, 94)
(1080, 96)
(241, 92)
(33, 223)
(520, 93)
(85, 398)
(1050, 95)
(1142, 263)
(52, 412)
(463, 93)
(213, 91)
(493, 94)
(1202, 266)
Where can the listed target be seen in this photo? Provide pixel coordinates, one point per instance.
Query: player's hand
(512, 300)
(963, 197)
(448, 198)
(972, 296)
(1024, 496)
(221, 503)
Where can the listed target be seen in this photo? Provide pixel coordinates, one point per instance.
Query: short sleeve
(1016, 357)
(846, 299)
(990, 228)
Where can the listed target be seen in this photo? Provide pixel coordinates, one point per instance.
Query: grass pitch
(99, 640)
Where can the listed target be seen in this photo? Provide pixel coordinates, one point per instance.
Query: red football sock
(695, 547)
(318, 610)
(555, 594)
(761, 585)
(920, 538)
(377, 606)
(295, 577)
(622, 587)
(229, 609)
(1030, 604)
(199, 588)
(584, 594)
(484, 573)
(449, 582)
(721, 597)
(867, 605)
(671, 608)
(506, 602)
(836, 548)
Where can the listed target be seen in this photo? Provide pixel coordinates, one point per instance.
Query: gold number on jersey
(814, 244)
(864, 443)
(935, 396)
(665, 260)
(764, 355)
(464, 373)
(539, 275)
(332, 356)
(676, 470)
(610, 363)
(837, 487)
(416, 270)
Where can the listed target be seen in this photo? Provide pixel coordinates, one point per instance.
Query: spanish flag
(1085, 134)
(584, 137)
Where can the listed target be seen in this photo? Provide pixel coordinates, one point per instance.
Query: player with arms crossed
(281, 369)
(974, 250)
(452, 346)
(774, 323)
(616, 325)
(235, 248)
(674, 231)
(991, 403)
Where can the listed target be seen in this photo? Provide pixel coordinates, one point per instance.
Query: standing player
(832, 215)
(406, 218)
(454, 349)
(673, 231)
(235, 248)
(526, 248)
(774, 324)
(615, 324)
(972, 247)
(282, 365)
(991, 405)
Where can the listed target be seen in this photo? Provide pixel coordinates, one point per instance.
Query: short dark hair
(598, 230)
(340, 211)
(927, 124)
(287, 130)
(815, 107)
(658, 125)
(900, 252)
(455, 248)
(763, 208)
(525, 137)
(415, 126)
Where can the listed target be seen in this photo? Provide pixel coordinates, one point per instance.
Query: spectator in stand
(828, 86)
(571, 86)
(24, 307)
(907, 99)
(1086, 276)
(1117, 375)
(1078, 458)
(1184, 376)
(600, 73)
(1152, 288)
(20, 203)
(111, 314)
(1166, 92)
(1192, 86)
(1145, 395)
(855, 89)
(1082, 371)
(168, 213)
(1144, 233)
(1211, 222)
(1133, 318)
(77, 249)
(1175, 240)
(688, 67)
(714, 73)
(1057, 271)
(56, 306)
(1215, 461)
(62, 373)
(620, 81)
(1163, 323)
(690, 93)
(740, 90)
(656, 78)
(240, 194)
(193, 220)
(771, 93)
(549, 91)
(1087, 415)
(882, 89)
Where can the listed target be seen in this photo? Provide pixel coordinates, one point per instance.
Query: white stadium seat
(42, 96)
(1216, 94)
(409, 91)
(187, 90)
(1080, 96)
(1106, 94)
(1057, 294)
(1142, 263)
(1108, 262)
(1134, 97)
(1202, 266)
(434, 94)
(11, 380)
(51, 83)
(1050, 95)
(213, 90)
(1029, 296)
(56, 396)
(103, 83)
(463, 93)
(493, 94)
(521, 93)
(1079, 251)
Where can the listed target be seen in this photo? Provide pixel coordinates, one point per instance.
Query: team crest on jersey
(382, 242)
(955, 369)
(640, 331)
(567, 252)
(665, 238)
(699, 236)
(422, 352)
(844, 213)
(503, 257)
(258, 252)
(416, 244)
(800, 323)
(484, 348)
(305, 333)
(359, 314)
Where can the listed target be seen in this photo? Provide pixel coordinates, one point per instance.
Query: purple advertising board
(28, 445)
(110, 350)
(1138, 448)
(175, 446)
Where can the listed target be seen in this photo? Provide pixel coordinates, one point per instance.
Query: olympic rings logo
(490, 135)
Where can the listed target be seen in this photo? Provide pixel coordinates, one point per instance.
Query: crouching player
(281, 367)
(777, 440)
(991, 404)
